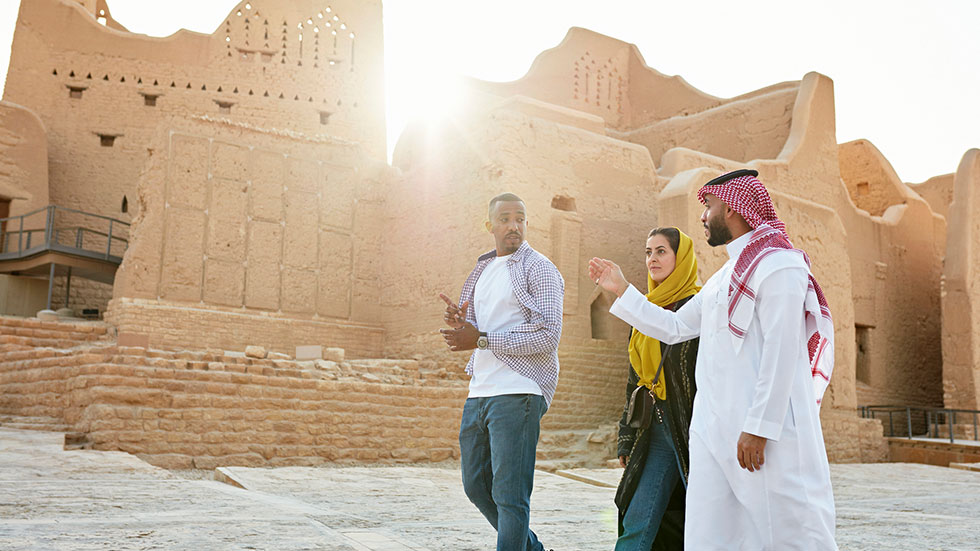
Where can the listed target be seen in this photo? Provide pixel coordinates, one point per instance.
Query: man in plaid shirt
(510, 315)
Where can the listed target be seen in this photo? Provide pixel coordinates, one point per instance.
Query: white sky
(906, 72)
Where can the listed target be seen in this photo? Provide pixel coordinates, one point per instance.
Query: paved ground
(85, 500)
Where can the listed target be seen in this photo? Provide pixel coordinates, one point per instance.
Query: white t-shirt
(497, 310)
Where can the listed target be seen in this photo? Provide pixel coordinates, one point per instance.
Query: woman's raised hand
(606, 274)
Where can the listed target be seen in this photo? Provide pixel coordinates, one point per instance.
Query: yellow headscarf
(680, 284)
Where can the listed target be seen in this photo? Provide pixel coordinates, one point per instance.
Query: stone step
(966, 466)
(38, 342)
(50, 424)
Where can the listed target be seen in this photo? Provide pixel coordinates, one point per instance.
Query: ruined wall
(938, 192)
(871, 182)
(607, 78)
(206, 409)
(896, 262)
(101, 91)
(742, 129)
(960, 306)
(251, 229)
(586, 195)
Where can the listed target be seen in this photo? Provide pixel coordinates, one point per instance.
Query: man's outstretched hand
(608, 275)
(455, 316)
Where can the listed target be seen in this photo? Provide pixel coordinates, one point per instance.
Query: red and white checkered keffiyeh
(747, 196)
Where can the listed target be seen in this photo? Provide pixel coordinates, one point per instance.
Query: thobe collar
(736, 245)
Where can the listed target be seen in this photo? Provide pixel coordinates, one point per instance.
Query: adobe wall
(101, 91)
(605, 77)
(754, 128)
(897, 250)
(24, 189)
(262, 238)
(23, 159)
(937, 191)
(586, 195)
(960, 306)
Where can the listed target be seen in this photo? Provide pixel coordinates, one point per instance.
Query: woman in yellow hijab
(650, 497)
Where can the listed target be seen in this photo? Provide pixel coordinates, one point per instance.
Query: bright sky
(906, 72)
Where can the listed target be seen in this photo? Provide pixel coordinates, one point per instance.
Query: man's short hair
(502, 197)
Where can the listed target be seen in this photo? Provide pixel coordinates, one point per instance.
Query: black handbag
(640, 410)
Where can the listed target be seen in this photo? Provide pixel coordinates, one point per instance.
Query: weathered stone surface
(47, 315)
(333, 354)
(255, 352)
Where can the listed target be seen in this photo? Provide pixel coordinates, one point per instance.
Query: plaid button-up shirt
(531, 348)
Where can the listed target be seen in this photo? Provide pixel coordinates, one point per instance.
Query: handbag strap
(663, 356)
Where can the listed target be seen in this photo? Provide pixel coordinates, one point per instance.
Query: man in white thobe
(759, 478)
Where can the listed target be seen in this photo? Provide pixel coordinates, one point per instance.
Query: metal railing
(63, 229)
(925, 422)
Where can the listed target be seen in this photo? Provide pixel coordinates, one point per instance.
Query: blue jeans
(646, 509)
(498, 436)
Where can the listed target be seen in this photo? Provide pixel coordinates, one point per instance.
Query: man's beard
(718, 232)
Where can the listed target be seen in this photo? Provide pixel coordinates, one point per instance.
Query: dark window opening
(75, 92)
(107, 140)
(324, 117)
(125, 205)
(150, 100)
(224, 107)
(563, 202)
(862, 334)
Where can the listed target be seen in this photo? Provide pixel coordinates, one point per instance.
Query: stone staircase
(202, 409)
(51, 424)
(31, 333)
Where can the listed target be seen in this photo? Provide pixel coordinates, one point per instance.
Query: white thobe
(764, 388)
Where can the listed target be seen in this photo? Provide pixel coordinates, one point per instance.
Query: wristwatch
(483, 342)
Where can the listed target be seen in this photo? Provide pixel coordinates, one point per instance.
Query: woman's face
(660, 258)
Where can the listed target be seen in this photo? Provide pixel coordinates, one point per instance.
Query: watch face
(482, 343)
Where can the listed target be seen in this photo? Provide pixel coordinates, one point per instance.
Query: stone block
(265, 197)
(263, 272)
(309, 352)
(229, 161)
(301, 174)
(337, 197)
(224, 282)
(255, 352)
(188, 182)
(183, 254)
(333, 354)
(440, 454)
(126, 338)
(298, 291)
(299, 248)
(226, 220)
(334, 282)
(47, 315)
